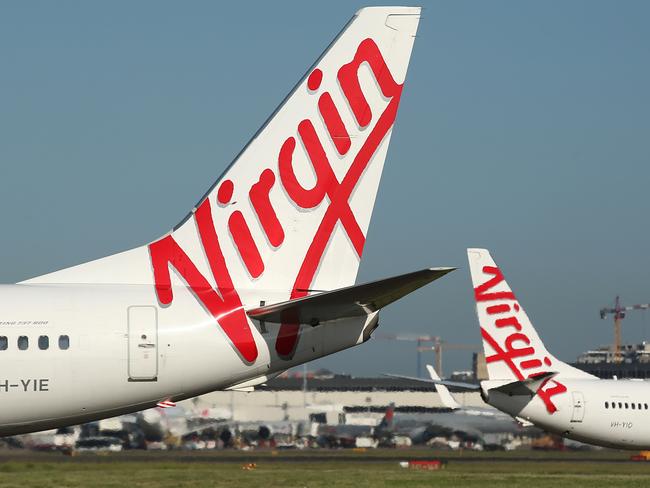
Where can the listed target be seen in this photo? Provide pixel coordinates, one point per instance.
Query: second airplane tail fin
(386, 422)
(513, 350)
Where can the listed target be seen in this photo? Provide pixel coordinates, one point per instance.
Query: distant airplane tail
(446, 397)
(513, 350)
(386, 422)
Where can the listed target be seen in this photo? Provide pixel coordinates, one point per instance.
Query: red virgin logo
(516, 351)
(223, 303)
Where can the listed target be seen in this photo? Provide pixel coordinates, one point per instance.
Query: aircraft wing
(348, 302)
(454, 384)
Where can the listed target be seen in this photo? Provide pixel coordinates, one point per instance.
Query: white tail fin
(445, 397)
(513, 350)
(292, 210)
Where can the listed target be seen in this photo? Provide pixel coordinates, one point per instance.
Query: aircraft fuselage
(75, 353)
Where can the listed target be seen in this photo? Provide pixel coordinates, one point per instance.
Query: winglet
(446, 398)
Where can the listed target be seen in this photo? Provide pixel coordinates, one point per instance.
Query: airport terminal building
(341, 398)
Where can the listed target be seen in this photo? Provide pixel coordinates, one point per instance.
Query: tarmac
(293, 456)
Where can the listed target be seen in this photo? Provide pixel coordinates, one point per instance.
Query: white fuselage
(610, 413)
(124, 356)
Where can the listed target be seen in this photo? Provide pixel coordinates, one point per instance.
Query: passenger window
(645, 405)
(626, 406)
(23, 343)
(633, 407)
(606, 404)
(613, 404)
(3, 343)
(639, 406)
(64, 342)
(43, 342)
(620, 405)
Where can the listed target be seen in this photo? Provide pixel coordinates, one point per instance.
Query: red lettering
(259, 195)
(548, 393)
(339, 193)
(334, 124)
(326, 184)
(530, 363)
(509, 354)
(304, 198)
(241, 235)
(518, 337)
(480, 291)
(314, 80)
(224, 193)
(368, 52)
(508, 322)
(500, 354)
(224, 303)
(494, 309)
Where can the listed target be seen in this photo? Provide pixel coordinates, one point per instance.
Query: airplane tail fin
(292, 211)
(513, 350)
(290, 215)
(387, 421)
(446, 397)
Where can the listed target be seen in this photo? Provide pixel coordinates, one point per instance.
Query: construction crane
(437, 346)
(619, 314)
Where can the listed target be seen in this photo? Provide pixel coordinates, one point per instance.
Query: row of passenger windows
(43, 342)
(626, 405)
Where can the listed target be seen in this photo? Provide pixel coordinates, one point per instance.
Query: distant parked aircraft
(475, 421)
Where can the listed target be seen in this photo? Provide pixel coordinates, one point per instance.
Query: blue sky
(524, 127)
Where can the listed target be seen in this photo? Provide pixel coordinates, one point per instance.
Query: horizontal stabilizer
(453, 384)
(529, 386)
(352, 301)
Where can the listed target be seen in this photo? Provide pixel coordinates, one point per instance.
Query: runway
(320, 456)
(321, 469)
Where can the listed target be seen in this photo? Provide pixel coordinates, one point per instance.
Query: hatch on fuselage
(578, 406)
(143, 343)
